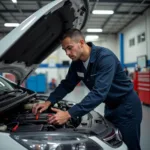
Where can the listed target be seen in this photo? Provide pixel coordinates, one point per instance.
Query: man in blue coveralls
(102, 73)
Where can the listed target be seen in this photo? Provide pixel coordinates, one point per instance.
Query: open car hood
(25, 47)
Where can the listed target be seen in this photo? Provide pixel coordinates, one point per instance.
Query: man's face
(72, 48)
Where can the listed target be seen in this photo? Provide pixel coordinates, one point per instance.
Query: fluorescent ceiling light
(103, 12)
(91, 37)
(11, 24)
(94, 30)
(14, 1)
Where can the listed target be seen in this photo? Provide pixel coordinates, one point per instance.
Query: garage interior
(123, 26)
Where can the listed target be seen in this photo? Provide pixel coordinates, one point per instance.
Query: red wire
(15, 127)
(37, 116)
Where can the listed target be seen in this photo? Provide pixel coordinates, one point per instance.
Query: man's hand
(39, 108)
(59, 118)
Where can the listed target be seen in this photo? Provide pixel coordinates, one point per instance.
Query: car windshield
(4, 86)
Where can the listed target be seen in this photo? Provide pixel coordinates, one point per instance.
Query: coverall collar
(93, 52)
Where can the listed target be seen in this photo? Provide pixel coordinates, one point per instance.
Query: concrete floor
(78, 94)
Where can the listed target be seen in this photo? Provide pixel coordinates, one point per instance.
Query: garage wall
(52, 66)
(131, 53)
(62, 71)
(148, 32)
(48, 67)
(139, 26)
(110, 42)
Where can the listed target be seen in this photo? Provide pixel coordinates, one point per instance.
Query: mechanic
(102, 73)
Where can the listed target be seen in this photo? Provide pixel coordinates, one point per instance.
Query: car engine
(16, 114)
(21, 118)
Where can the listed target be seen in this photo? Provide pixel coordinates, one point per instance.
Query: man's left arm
(104, 77)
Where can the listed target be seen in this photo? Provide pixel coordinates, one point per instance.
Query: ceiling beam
(16, 11)
(102, 1)
(126, 13)
(6, 9)
(91, 10)
(122, 1)
(133, 19)
(39, 3)
(107, 20)
(32, 11)
(4, 32)
(97, 33)
(29, 0)
(19, 9)
(3, 18)
(93, 7)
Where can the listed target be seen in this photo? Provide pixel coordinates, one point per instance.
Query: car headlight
(55, 141)
(114, 138)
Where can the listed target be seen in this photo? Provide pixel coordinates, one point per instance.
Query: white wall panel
(108, 41)
(140, 25)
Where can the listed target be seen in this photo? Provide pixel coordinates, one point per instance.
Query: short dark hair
(72, 33)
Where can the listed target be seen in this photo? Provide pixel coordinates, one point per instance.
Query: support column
(121, 42)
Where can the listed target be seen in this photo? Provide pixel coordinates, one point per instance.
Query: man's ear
(82, 42)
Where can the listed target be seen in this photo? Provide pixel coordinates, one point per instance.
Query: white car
(21, 51)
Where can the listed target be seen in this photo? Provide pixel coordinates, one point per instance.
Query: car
(21, 51)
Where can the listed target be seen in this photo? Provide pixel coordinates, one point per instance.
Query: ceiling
(125, 11)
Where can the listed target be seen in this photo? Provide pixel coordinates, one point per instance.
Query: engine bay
(16, 115)
(21, 119)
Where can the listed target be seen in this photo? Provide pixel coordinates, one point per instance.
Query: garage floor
(78, 94)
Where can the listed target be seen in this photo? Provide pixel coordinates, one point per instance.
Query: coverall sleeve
(103, 81)
(66, 85)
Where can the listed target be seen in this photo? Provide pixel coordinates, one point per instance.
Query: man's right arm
(66, 85)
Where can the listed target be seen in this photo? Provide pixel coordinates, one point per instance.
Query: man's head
(73, 43)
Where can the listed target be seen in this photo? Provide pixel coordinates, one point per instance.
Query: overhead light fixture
(94, 30)
(103, 12)
(11, 24)
(91, 37)
(14, 1)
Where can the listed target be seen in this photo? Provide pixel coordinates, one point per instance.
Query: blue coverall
(109, 84)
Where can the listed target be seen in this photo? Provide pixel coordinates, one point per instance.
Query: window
(132, 42)
(141, 38)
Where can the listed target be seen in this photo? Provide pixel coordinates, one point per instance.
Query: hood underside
(23, 49)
